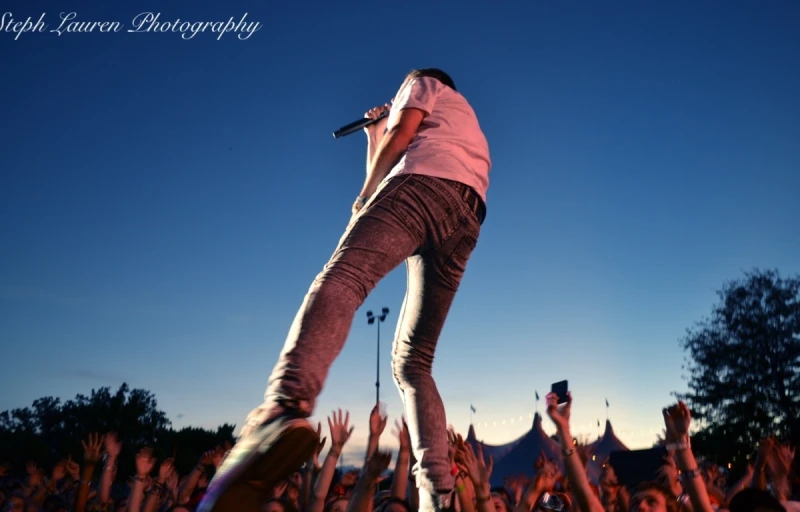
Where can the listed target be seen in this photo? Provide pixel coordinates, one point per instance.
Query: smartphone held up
(561, 389)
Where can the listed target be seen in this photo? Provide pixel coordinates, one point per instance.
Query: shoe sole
(245, 479)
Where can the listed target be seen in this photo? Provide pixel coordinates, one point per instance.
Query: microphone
(357, 125)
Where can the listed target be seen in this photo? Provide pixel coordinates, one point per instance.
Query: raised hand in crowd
(145, 462)
(678, 420)
(377, 424)
(92, 451)
(340, 432)
(113, 448)
(59, 472)
(517, 485)
(585, 497)
(452, 444)
(157, 493)
(364, 491)
(776, 458)
(165, 470)
(402, 463)
(547, 475)
(478, 470)
(72, 468)
(559, 413)
(92, 448)
(112, 445)
(35, 477)
(320, 446)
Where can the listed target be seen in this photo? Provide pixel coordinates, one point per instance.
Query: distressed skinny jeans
(432, 225)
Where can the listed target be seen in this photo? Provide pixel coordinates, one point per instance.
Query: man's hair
(438, 74)
(671, 499)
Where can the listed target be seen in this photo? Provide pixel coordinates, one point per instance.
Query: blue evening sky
(165, 203)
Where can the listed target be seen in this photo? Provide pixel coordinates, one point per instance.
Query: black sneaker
(264, 456)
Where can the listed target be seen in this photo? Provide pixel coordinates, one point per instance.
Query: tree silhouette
(49, 431)
(743, 366)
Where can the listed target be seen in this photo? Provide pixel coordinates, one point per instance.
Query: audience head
(653, 497)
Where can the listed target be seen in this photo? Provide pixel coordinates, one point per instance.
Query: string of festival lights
(586, 429)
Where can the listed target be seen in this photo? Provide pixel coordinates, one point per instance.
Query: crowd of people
(683, 484)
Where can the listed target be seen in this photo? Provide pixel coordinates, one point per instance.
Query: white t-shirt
(449, 143)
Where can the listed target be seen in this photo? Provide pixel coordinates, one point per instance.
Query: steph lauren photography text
(66, 23)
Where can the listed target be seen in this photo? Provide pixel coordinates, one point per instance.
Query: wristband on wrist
(690, 474)
(679, 446)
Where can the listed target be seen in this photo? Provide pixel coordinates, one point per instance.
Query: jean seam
(406, 219)
(461, 243)
(445, 190)
(399, 326)
(459, 206)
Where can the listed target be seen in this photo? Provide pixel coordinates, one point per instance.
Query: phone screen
(560, 389)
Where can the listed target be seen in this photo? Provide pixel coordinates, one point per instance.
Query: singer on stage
(422, 203)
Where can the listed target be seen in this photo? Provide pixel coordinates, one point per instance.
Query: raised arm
(401, 465)
(576, 473)
(377, 424)
(677, 420)
(340, 433)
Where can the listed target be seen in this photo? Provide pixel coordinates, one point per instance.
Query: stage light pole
(372, 319)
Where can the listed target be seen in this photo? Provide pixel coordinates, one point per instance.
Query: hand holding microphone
(381, 116)
(375, 117)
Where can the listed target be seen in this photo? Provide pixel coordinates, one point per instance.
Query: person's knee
(409, 369)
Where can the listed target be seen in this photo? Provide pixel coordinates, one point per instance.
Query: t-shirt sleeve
(420, 93)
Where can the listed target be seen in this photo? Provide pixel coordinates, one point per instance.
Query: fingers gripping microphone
(358, 125)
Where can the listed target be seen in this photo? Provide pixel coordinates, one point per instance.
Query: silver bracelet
(677, 447)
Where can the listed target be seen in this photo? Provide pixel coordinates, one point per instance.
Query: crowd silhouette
(682, 483)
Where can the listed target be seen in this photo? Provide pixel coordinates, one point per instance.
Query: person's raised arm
(340, 433)
(311, 470)
(414, 102)
(391, 148)
(400, 483)
(91, 456)
(377, 424)
(113, 448)
(362, 498)
(576, 473)
(145, 462)
(780, 462)
(158, 490)
(375, 131)
(478, 471)
(677, 420)
(544, 481)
